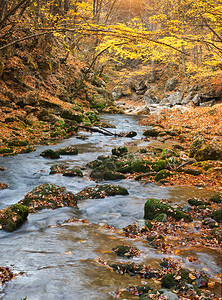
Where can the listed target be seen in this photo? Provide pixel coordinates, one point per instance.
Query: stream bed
(59, 262)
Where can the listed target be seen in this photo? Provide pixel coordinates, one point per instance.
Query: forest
(110, 149)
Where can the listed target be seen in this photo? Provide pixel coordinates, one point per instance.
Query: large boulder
(155, 207)
(48, 196)
(175, 98)
(148, 98)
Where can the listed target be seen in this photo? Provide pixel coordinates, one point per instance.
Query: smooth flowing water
(59, 262)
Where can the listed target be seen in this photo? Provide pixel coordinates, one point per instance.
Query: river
(58, 262)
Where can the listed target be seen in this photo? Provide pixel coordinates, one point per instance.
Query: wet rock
(154, 207)
(162, 175)
(131, 134)
(73, 173)
(169, 295)
(126, 251)
(51, 154)
(166, 153)
(210, 222)
(191, 171)
(48, 196)
(195, 146)
(209, 152)
(217, 215)
(152, 132)
(101, 191)
(12, 217)
(196, 202)
(168, 281)
(71, 115)
(217, 198)
(58, 169)
(109, 175)
(159, 165)
(120, 151)
(70, 150)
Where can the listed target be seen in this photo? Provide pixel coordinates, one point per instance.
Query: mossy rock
(159, 165)
(17, 143)
(168, 281)
(58, 169)
(49, 153)
(154, 207)
(161, 218)
(196, 202)
(217, 215)
(209, 152)
(151, 132)
(162, 175)
(92, 116)
(101, 191)
(73, 173)
(217, 198)
(195, 146)
(194, 172)
(12, 217)
(120, 151)
(109, 175)
(166, 153)
(70, 150)
(70, 115)
(126, 251)
(6, 150)
(164, 264)
(131, 166)
(48, 196)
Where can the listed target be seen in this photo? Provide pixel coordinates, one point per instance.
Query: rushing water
(59, 261)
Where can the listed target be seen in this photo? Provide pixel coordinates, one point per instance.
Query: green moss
(159, 165)
(209, 152)
(6, 150)
(17, 143)
(217, 215)
(92, 116)
(151, 132)
(49, 153)
(195, 146)
(162, 175)
(168, 281)
(166, 153)
(154, 207)
(196, 202)
(217, 198)
(68, 151)
(13, 217)
(109, 175)
(73, 172)
(164, 264)
(120, 151)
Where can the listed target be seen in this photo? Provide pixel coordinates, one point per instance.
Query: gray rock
(148, 98)
(171, 84)
(208, 103)
(196, 100)
(169, 295)
(164, 101)
(188, 98)
(175, 98)
(117, 92)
